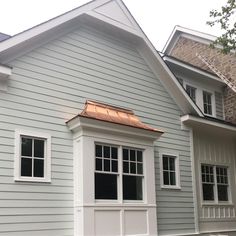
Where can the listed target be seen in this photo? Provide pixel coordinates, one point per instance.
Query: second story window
(207, 103)
(191, 91)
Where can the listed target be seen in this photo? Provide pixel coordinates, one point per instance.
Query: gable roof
(110, 16)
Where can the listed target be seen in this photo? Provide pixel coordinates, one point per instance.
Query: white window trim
(199, 97)
(177, 171)
(216, 202)
(47, 161)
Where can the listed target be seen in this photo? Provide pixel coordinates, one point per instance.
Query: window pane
(98, 164)
(39, 148)
(26, 167)
(132, 155)
(139, 156)
(165, 163)
(172, 178)
(166, 178)
(114, 153)
(26, 147)
(171, 163)
(125, 154)
(132, 188)
(98, 151)
(132, 167)
(105, 186)
(222, 192)
(106, 153)
(38, 168)
(114, 166)
(140, 168)
(208, 192)
(125, 167)
(106, 165)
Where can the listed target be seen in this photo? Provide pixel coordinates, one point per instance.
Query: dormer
(203, 87)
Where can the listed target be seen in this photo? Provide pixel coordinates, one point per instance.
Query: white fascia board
(194, 69)
(188, 33)
(5, 71)
(81, 123)
(50, 24)
(191, 120)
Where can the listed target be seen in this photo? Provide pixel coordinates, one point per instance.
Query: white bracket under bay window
(215, 184)
(170, 175)
(32, 156)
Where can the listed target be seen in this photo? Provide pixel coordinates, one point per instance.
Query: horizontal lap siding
(49, 86)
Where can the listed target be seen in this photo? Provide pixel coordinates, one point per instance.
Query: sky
(157, 18)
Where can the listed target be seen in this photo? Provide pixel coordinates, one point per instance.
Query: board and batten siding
(49, 86)
(216, 150)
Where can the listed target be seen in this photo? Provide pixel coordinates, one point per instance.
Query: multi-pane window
(108, 174)
(215, 185)
(106, 171)
(191, 91)
(207, 103)
(169, 170)
(132, 174)
(32, 157)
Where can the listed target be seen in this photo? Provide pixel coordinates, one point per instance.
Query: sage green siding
(49, 86)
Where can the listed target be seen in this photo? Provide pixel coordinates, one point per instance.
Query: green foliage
(224, 18)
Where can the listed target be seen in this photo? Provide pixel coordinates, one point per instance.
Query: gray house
(96, 132)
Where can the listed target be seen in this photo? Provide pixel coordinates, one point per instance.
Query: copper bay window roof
(113, 114)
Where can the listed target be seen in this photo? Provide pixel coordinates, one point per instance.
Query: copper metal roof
(112, 114)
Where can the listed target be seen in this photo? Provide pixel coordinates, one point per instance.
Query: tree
(225, 18)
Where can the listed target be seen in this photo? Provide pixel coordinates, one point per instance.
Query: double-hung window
(215, 183)
(191, 91)
(114, 174)
(207, 103)
(33, 157)
(132, 174)
(170, 171)
(106, 171)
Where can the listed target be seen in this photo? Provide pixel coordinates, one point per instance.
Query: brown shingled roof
(112, 114)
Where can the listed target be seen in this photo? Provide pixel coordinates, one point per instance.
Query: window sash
(34, 159)
(207, 103)
(169, 171)
(214, 171)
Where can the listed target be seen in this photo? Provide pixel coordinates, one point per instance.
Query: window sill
(34, 180)
(170, 187)
(205, 204)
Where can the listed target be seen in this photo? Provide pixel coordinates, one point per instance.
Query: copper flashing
(113, 114)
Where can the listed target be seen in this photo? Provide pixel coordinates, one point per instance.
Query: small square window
(33, 156)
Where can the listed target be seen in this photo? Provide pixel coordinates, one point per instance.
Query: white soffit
(198, 122)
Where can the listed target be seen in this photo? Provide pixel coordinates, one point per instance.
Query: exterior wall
(210, 148)
(230, 105)
(48, 87)
(186, 49)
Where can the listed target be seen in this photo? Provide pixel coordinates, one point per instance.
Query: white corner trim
(5, 71)
(47, 167)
